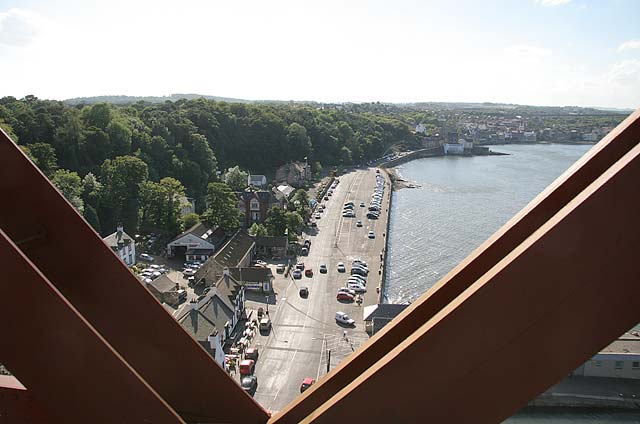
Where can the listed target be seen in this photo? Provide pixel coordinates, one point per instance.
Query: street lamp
(266, 298)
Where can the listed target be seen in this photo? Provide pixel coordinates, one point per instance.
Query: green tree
(43, 155)
(258, 230)
(236, 178)
(122, 179)
(317, 169)
(298, 142)
(98, 115)
(91, 190)
(120, 137)
(222, 210)
(70, 185)
(276, 221)
(91, 216)
(160, 205)
(190, 220)
(9, 130)
(345, 155)
(295, 223)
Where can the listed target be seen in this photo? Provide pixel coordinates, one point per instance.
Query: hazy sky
(540, 52)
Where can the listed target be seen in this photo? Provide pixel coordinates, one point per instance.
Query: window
(255, 205)
(619, 365)
(635, 365)
(598, 363)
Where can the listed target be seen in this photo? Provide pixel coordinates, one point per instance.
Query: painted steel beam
(558, 298)
(17, 406)
(94, 280)
(71, 372)
(566, 187)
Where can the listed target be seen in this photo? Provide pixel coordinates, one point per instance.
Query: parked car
(345, 296)
(308, 272)
(306, 383)
(357, 287)
(323, 269)
(371, 235)
(251, 353)
(349, 204)
(318, 216)
(146, 257)
(182, 295)
(300, 266)
(297, 274)
(250, 384)
(372, 215)
(341, 267)
(346, 290)
(362, 204)
(343, 318)
(189, 272)
(358, 280)
(304, 251)
(280, 268)
(359, 224)
(358, 271)
(304, 291)
(265, 325)
(247, 366)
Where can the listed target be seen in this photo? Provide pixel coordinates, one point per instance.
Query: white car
(357, 279)
(347, 290)
(371, 235)
(358, 288)
(318, 216)
(146, 257)
(343, 318)
(341, 267)
(188, 272)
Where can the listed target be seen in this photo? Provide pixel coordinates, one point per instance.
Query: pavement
(305, 339)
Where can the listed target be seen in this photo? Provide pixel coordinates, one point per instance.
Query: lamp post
(266, 298)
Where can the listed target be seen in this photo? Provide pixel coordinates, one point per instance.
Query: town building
(254, 205)
(164, 289)
(270, 246)
(295, 173)
(123, 245)
(621, 359)
(212, 321)
(254, 278)
(197, 243)
(286, 190)
(236, 253)
(258, 181)
(420, 128)
(377, 316)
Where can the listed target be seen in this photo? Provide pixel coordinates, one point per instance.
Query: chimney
(119, 228)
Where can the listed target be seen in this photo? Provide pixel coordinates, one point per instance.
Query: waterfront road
(304, 329)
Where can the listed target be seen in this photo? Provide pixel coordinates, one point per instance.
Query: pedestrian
(344, 334)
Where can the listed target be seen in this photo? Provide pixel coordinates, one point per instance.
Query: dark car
(251, 353)
(304, 292)
(308, 273)
(250, 384)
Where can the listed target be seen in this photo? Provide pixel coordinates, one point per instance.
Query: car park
(343, 318)
(306, 383)
(345, 296)
(341, 267)
(304, 291)
(323, 269)
(249, 384)
(297, 274)
(371, 235)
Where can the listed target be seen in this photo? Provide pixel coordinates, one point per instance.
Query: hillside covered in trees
(114, 162)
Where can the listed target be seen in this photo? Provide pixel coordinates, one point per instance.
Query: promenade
(305, 339)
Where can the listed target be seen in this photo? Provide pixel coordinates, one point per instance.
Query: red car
(308, 273)
(345, 296)
(306, 383)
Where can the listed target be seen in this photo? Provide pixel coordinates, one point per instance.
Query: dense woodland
(132, 163)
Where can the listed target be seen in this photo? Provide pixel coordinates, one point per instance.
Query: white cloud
(528, 53)
(18, 27)
(625, 73)
(629, 45)
(552, 3)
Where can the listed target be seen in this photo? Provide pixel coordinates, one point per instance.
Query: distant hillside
(147, 99)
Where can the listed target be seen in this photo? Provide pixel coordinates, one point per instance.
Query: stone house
(123, 245)
(254, 205)
(295, 173)
(165, 290)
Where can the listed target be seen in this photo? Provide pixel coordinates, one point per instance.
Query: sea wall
(417, 154)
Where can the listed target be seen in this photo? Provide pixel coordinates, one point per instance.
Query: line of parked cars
(356, 283)
(376, 199)
(152, 272)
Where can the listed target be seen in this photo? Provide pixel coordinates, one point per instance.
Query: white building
(621, 359)
(420, 128)
(197, 243)
(123, 245)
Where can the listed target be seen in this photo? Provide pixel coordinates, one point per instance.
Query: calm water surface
(461, 202)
